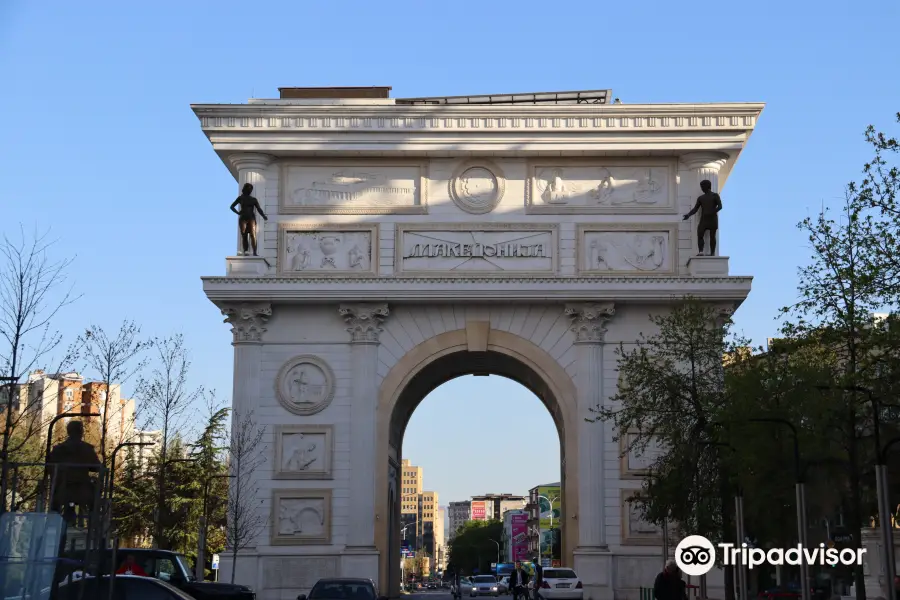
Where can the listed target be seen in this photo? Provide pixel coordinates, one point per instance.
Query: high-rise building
(419, 512)
(460, 513)
(440, 544)
(515, 536)
(490, 507)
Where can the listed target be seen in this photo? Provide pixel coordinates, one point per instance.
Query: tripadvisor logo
(696, 555)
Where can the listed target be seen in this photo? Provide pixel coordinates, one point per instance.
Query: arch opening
(438, 361)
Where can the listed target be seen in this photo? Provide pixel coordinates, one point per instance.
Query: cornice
(474, 289)
(572, 118)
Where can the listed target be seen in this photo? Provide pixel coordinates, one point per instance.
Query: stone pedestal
(873, 565)
(246, 266)
(708, 266)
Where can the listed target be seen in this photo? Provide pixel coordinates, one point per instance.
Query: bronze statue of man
(249, 206)
(73, 486)
(709, 205)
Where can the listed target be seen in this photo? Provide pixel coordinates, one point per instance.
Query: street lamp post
(498, 551)
(885, 523)
(550, 502)
(801, 499)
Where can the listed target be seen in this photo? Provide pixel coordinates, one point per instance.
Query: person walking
(538, 577)
(669, 585)
(518, 579)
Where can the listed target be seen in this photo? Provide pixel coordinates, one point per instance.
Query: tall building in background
(490, 507)
(440, 543)
(460, 514)
(420, 518)
(545, 522)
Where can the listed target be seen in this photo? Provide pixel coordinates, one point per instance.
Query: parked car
(171, 568)
(343, 588)
(125, 587)
(484, 585)
(561, 584)
(503, 585)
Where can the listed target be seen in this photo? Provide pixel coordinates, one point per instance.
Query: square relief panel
(635, 530)
(353, 188)
(301, 517)
(627, 249)
(303, 451)
(592, 187)
(322, 250)
(636, 463)
(476, 248)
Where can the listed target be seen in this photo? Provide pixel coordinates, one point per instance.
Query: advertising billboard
(550, 502)
(519, 537)
(479, 511)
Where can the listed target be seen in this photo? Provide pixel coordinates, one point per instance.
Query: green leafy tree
(211, 478)
(672, 392)
(472, 550)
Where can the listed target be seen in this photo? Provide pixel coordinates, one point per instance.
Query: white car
(484, 585)
(560, 583)
(504, 585)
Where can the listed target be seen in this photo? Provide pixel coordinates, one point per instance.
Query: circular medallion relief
(305, 385)
(477, 188)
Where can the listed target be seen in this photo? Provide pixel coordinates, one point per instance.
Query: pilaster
(702, 165)
(251, 168)
(593, 561)
(364, 326)
(248, 326)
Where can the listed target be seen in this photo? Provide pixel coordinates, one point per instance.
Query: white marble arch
(474, 349)
(389, 331)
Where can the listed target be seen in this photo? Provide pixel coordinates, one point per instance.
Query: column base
(360, 561)
(594, 566)
(246, 266)
(706, 266)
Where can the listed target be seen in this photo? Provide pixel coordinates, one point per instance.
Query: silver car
(484, 585)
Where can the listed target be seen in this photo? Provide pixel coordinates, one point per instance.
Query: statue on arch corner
(709, 205)
(249, 206)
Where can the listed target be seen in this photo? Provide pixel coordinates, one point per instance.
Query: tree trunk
(856, 516)
(728, 533)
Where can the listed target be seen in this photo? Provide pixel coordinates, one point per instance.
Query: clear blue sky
(98, 140)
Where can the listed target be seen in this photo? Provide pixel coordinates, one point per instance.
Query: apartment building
(419, 512)
(490, 507)
(460, 513)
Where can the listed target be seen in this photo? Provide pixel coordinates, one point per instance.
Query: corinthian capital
(364, 321)
(723, 315)
(247, 320)
(589, 321)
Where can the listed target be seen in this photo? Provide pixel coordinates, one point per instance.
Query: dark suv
(172, 568)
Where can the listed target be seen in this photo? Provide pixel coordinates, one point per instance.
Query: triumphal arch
(411, 241)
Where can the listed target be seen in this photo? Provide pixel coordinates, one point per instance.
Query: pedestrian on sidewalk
(669, 585)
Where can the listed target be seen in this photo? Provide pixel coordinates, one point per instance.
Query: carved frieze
(338, 187)
(599, 187)
(637, 531)
(247, 320)
(636, 462)
(477, 187)
(301, 517)
(466, 249)
(305, 385)
(627, 248)
(303, 451)
(319, 250)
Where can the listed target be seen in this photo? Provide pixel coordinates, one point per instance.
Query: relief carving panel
(305, 385)
(353, 188)
(636, 530)
(301, 517)
(303, 451)
(477, 187)
(298, 572)
(626, 249)
(597, 188)
(325, 250)
(636, 462)
(473, 248)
